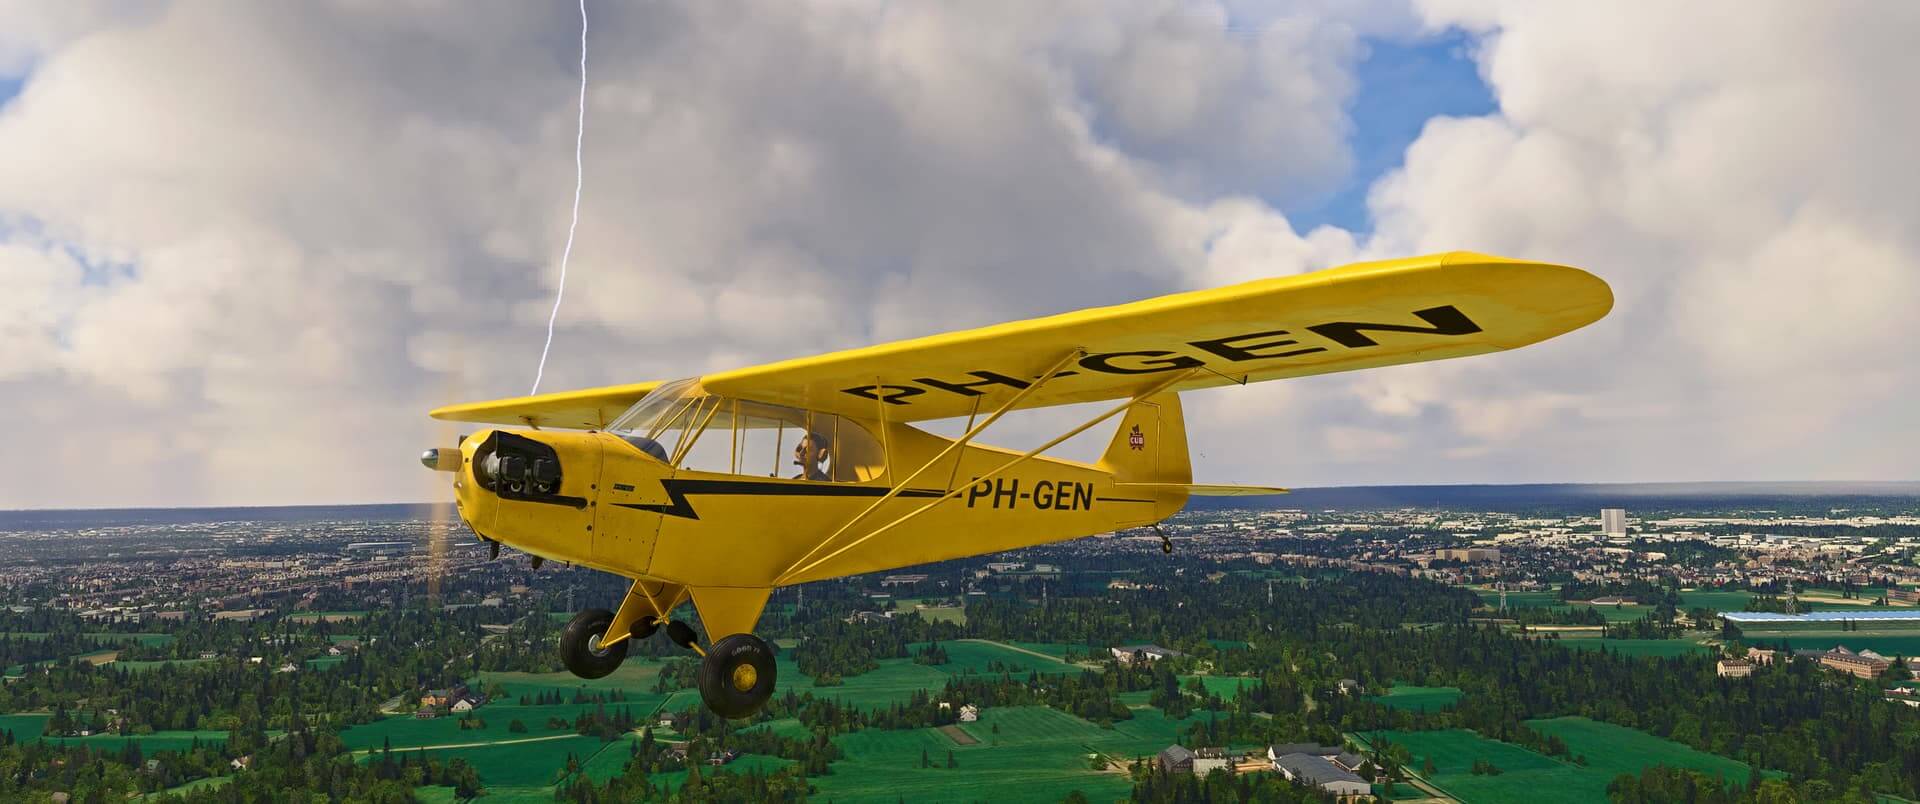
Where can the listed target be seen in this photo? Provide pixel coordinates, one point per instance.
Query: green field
(529, 764)
(1224, 686)
(31, 725)
(1888, 643)
(1419, 699)
(951, 614)
(896, 680)
(1525, 775)
(1663, 648)
(24, 726)
(102, 637)
(1039, 754)
(1617, 749)
(1718, 601)
(634, 679)
(1610, 751)
(140, 667)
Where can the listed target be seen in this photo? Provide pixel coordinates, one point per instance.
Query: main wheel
(580, 648)
(736, 676)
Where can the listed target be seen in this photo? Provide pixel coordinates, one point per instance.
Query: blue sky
(1401, 85)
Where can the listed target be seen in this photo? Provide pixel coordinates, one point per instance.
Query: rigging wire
(579, 179)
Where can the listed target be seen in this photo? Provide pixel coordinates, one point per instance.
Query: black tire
(580, 647)
(737, 675)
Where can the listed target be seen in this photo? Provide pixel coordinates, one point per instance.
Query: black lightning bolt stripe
(679, 490)
(1122, 499)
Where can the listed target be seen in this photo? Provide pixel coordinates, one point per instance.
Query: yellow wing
(589, 409)
(1355, 317)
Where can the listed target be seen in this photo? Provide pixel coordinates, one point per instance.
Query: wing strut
(1171, 381)
(956, 444)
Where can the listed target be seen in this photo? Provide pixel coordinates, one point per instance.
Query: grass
(515, 765)
(1419, 699)
(1038, 754)
(141, 667)
(210, 783)
(109, 637)
(1224, 686)
(1663, 648)
(1889, 642)
(750, 763)
(634, 679)
(1614, 750)
(913, 605)
(1610, 751)
(896, 680)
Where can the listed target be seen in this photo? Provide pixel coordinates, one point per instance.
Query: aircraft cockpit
(683, 426)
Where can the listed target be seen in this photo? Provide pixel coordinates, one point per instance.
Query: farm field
(1419, 699)
(138, 667)
(898, 679)
(1525, 774)
(1224, 686)
(1718, 601)
(325, 616)
(1662, 648)
(1039, 754)
(102, 637)
(1610, 750)
(32, 725)
(931, 613)
(1889, 642)
(1617, 749)
(523, 767)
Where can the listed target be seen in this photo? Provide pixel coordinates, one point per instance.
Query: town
(1285, 651)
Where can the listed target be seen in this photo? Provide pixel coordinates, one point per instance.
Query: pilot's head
(812, 451)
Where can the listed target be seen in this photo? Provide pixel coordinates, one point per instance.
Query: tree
(1427, 769)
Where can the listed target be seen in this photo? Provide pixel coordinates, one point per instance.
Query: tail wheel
(580, 648)
(737, 675)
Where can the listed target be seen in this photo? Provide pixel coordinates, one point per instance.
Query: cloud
(336, 216)
(246, 248)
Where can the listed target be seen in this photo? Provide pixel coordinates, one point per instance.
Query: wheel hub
(744, 677)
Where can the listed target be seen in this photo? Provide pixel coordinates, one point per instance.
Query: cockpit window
(681, 425)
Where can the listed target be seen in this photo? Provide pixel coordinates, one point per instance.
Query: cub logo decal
(1137, 439)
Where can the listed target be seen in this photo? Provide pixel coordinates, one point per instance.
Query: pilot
(813, 455)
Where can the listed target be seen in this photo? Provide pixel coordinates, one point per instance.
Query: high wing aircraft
(723, 487)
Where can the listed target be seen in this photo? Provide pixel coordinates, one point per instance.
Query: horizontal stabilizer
(1204, 489)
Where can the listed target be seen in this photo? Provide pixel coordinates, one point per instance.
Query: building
(1734, 668)
(1318, 771)
(1613, 521)
(444, 697)
(1348, 686)
(903, 580)
(969, 713)
(1127, 654)
(1864, 665)
(1903, 594)
(1468, 555)
(1175, 759)
(1278, 750)
(1760, 656)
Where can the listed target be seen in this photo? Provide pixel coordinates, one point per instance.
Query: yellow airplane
(724, 487)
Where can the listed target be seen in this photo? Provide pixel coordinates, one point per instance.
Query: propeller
(445, 517)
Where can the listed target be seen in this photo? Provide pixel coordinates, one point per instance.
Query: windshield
(683, 426)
